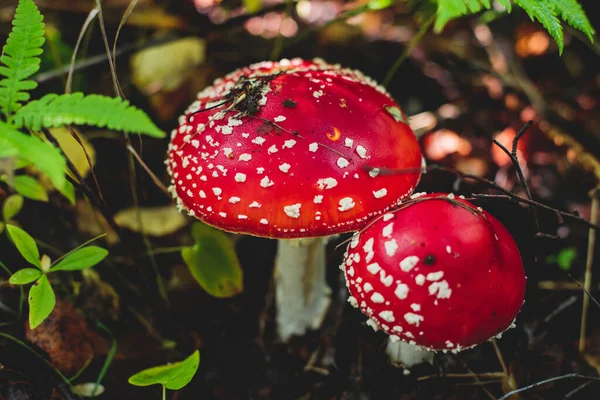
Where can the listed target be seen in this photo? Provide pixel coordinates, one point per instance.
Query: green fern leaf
(113, 113)
(544, 12)
(573, 14)
(20, 60)
(450, 9)
(47, 158)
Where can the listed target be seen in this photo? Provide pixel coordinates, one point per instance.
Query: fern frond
(545, 14)
(57, 110)
(573, 14)
(451, 9)
(47, 158)
(20, 60)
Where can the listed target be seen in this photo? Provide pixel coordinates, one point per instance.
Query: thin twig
(507, 194)
(80, 183)
(470, 376)
(514, 158)
(89, 161)
(155, 179)
(587, 283)
(577, 389)
(556, 378)
(500, 357)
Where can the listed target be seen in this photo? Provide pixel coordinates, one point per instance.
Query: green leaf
(41, 301)
(19, 60)
(380, 4)
(54, 110)
(25, 244)
(25, 276)
(451, 9)
(173, 376)
(11, 207)
(83, 258)
(68, 190)
(564, 258)
(252, 6)
(397, 113)
(545, 14)
(213, 262)
(573, 14)
(47, 158)
(30, 188)
(7, 149)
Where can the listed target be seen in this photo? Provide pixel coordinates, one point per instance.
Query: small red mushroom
(292, 149)
(438, 273)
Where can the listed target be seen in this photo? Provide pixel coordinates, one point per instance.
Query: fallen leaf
(155, 221)
(74, 151)
(66, 338)
(166, 66)
(88, 389)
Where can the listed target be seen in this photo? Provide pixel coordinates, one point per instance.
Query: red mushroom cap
(292, 149)
(438, 272)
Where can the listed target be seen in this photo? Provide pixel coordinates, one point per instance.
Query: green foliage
(20, 59)
(11, 207)
(564, 258)
(41, 294)
(29, 187)
(25, 276)
(55, 110)
(172, 376)
(213, 262)
(25, 244)
(79, 259)
(544, 11)
(573, 14)
(47, 158)
(41, 301)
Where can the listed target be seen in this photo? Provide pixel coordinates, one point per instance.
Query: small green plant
(41, 295)
(19, 62)
(547, 12)
(171, 376)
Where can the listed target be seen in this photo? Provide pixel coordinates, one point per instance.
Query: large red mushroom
(293, 150)
(437, 273)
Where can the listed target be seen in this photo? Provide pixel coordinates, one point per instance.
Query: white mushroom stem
(301, 291)
(400, 352)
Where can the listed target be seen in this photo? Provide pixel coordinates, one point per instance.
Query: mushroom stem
(301, 291)
(407, 354)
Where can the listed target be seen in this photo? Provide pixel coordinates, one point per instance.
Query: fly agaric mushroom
(438, 273)
(280, 150)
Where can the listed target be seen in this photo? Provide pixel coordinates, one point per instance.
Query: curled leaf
(11, 207)
(155, 221)
(213, 262)
(173, 376)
